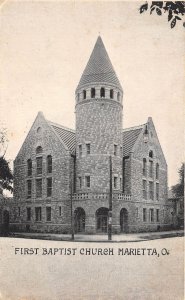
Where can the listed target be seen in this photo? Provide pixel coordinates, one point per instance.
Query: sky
(45, 46)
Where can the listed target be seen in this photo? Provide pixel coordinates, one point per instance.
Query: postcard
(91, 150)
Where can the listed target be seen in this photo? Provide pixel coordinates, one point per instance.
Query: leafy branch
(174, 10)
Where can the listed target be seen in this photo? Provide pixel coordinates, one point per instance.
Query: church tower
(99, 97)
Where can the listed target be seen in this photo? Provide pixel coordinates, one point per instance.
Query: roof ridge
(61, 126)
(133, 127)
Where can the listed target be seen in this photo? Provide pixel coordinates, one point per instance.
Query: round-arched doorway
(124, 220)
(102, 220)
(79, 220)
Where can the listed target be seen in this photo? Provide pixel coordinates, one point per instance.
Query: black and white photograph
(92, 150)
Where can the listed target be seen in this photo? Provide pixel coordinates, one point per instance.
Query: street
(67, 270)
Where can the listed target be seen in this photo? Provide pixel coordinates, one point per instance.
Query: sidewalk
(131, 237)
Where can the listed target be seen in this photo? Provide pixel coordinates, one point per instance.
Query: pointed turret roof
(99, 68)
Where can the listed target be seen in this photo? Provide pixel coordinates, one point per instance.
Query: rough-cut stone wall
(127, 175)
(135, 209)
(98, 122)
(96, 164)
(61, 166)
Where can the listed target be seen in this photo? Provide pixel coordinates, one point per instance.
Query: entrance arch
(79, 218)
(124, 220)
(102, 219)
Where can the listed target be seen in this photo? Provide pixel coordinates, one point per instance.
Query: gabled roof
(130, 136)
(66, 135)
(99, 68)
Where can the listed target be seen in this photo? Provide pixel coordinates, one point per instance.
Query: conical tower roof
(99, 68)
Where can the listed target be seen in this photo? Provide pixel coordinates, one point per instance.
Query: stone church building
(60, 172)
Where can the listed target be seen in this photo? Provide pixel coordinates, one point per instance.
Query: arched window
(144, 166)
(151, 168)
(157, 171)
(38, 150)
(84, 94)
(151, 154)
(102, 93)
(118, 96)
(39, 165)
(111, 94)
(93, 92)
(49, 164)
(29, 167)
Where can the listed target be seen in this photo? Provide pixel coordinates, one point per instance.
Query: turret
(98, 124)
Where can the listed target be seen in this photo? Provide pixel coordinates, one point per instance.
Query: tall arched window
(118, 96)
(157, 171)
(84, 94)
(102, 92)
(93, 92)
(49, 164)
(144, 166)
(111, 94)
(38, 150)
(29, 167)
(151, 168)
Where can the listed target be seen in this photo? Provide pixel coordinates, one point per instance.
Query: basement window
(38, 215)
(48, 214)
(28, 213)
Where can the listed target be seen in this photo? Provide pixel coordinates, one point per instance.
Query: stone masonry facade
(63, 177)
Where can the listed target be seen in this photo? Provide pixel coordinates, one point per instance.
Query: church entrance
(124, 220)
(102, 220)
(79, 220)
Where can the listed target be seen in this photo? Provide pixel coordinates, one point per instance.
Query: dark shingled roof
(99, 68)
(67, 135)
(130, 136)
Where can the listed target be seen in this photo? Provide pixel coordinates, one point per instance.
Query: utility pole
(110, 203)
(71, 198)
